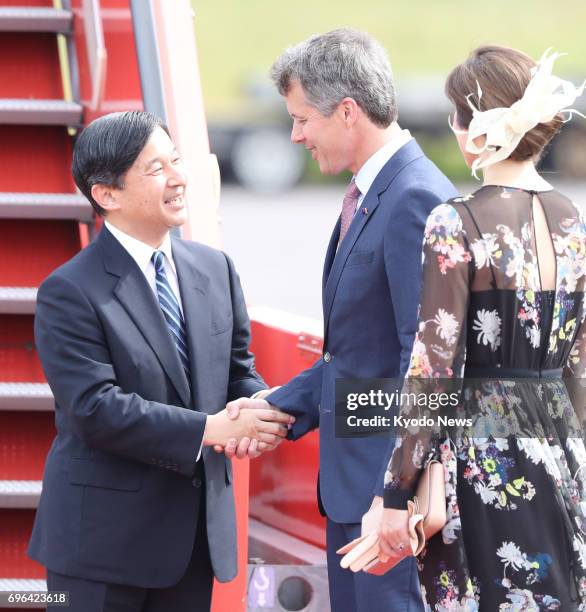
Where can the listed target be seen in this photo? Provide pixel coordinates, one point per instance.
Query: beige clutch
(427, 516)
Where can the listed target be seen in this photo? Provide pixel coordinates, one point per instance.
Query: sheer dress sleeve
(575, 370)
(439, 347)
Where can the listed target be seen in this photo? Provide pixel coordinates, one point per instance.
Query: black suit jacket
(121, 488)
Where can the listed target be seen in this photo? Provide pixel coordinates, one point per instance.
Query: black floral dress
(515, 539)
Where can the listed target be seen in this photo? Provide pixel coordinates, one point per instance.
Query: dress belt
(497, 373)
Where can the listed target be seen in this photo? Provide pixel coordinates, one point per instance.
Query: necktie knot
(352, 192)
(159, 261)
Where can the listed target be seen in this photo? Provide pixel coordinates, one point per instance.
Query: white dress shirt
(142, 254)
(375, 163)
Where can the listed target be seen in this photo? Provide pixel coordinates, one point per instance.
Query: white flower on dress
(495, 480)
(534, 335)
(487, 494)
(521, 600)
(451, 530)
(488, 326)
(580, 548)
(486, 250)
(501, 444)
(552, 456)
(577, 447)
(447, 326)
(512, 556)
(514, 256)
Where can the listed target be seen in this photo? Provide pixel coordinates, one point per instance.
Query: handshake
(247, 427)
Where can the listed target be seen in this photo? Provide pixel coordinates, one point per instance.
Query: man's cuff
(201, 445)
(263, 393)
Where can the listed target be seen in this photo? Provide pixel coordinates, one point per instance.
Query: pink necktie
(348, 208)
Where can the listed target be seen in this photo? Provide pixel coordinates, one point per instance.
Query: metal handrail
(96, 51)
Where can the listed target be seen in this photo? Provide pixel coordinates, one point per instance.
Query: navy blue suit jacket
(121, 492)
(371, 291)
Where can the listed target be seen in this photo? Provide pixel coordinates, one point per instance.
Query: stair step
(26, 397)
(18, 300)
(45, 206)
(20, 493)
(27, 111)
(34, 19)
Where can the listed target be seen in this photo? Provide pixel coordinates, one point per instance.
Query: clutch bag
(426, 516)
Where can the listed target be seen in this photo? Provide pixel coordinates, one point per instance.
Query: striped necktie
(171, 311)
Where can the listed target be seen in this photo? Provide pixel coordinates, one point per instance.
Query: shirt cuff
(263, 393)
(199, 453)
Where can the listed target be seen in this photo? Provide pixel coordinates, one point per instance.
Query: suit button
(327, 357)
(196, 482)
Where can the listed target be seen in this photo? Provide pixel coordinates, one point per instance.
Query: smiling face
(151, 201)
(327, 138)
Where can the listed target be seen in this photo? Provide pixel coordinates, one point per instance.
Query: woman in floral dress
(503, 298)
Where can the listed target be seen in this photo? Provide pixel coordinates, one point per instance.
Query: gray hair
(339, 64)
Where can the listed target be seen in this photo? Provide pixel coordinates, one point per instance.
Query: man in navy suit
(143, 338)
(339, 92)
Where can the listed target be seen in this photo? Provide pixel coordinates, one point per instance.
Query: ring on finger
(400, 546)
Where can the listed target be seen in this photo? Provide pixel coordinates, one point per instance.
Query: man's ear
(349, 109)
(105, 196)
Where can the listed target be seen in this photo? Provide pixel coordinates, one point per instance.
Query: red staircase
(43, 223)
(39, 215)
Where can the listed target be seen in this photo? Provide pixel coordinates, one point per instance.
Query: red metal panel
(283, 483)
(25, 439)
(32, 249)
(35, 159)
(15, 531)
(33, 71)
(23, 3)
(19, 361)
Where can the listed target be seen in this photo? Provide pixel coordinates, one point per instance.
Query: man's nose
(296, 134)
(177, 175)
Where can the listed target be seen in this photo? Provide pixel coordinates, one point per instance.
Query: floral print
(515, 536)
(488, 326)
(488, 471)
(486, 251)
(441, 234)
(535, 568)
(447, 326)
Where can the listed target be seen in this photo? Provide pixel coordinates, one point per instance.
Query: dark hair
(107, 148)
(503, 75)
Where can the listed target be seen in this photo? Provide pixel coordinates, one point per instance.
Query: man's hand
(250, 447)
(229, 428)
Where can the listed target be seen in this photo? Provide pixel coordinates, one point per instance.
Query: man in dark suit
(339, 91)
(143, 339)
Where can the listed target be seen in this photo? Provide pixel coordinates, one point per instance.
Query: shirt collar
(374, 164)
(140, 251)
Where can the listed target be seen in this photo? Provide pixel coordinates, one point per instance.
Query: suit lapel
(134, 293)
(405, 155)
(330, 255)
(193, 284)
(363, 214)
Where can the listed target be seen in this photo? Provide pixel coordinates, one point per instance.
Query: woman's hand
(394, 535)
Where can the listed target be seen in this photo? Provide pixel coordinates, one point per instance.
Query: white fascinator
(503, 128)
